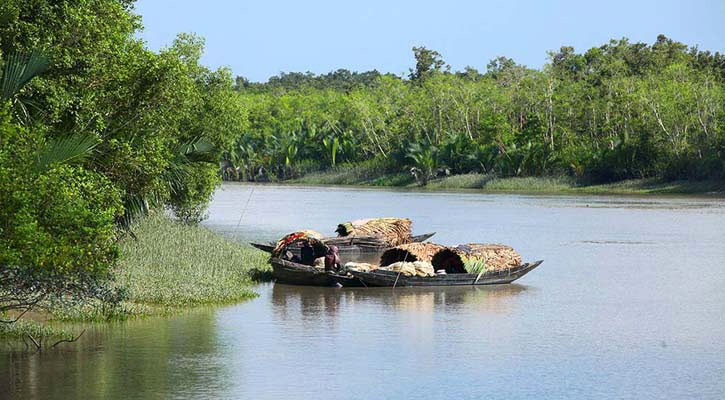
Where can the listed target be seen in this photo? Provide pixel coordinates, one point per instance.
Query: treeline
(618, 111)
(95, 130)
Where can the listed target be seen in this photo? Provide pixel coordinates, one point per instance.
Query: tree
(427, 62)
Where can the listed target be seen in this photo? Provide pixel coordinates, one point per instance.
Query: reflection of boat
(350, 244)
(291, 300)
(381, 277)
(301, 274)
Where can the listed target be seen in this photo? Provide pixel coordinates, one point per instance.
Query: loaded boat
(289, 265)
(298, 258)
(414, 265)
(393, 279)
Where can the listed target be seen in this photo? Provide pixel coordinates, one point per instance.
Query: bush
(190, 196)
(58, 233)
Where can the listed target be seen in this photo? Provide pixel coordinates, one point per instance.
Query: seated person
(307, 254)
(332, 259)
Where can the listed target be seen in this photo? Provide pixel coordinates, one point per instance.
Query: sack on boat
(360, 267)
(394, 231)
(423, 269)
(319, 262)
(405, 268)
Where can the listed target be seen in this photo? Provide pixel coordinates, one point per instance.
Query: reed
(172, 266)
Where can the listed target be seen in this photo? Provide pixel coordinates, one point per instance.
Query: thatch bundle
(395, 231)
(476, 257)
(410, 252)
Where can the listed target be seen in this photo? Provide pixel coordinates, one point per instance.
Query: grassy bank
(167, 268)
(492, 183)
(170, 266)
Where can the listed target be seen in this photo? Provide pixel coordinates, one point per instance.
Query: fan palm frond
(19, 69)
(72, 149)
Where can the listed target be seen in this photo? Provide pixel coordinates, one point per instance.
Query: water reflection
(111, 359)
(313, 301)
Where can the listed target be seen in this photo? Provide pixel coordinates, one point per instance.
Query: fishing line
(244, 210)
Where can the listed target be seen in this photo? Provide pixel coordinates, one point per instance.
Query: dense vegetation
(95, 130)
(622, 110)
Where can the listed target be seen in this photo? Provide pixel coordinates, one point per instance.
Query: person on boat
(332, 259)
(307, 254)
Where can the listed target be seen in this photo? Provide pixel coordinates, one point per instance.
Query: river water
(629, 303)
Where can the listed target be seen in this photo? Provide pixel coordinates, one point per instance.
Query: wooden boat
(301, 274)
(348, 244)
(394, 279)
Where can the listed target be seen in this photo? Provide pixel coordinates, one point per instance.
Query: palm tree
(19, 70)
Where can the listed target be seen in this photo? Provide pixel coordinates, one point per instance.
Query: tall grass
(169, 266)
(179, 265)
(491, 182)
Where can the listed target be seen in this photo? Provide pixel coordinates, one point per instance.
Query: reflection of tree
(158, 358)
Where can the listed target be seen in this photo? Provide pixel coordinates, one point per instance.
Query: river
(629, 303)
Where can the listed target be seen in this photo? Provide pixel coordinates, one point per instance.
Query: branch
(5, 321)
(67, 340)
(35, 342)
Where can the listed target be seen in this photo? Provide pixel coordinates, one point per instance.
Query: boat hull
(382, 278)
(299, 274)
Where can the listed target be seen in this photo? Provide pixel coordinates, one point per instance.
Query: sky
(259, 39)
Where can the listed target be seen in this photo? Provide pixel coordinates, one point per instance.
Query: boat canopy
(312, 238)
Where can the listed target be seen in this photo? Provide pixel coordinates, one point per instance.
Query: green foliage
(117, 108)
(19, 70)
(73, 149)
(59, 219)
(427, 62)
(191, 194)
(107, 132)
(619, 111)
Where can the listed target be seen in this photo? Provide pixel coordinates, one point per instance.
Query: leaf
(72, 149)
(19, 69)
(334, 150)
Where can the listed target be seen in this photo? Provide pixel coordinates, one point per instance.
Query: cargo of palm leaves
(364, 235)
(430, 264)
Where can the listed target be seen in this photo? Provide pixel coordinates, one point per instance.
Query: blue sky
(262, 38)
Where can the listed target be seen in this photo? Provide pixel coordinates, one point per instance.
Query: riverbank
(168, 267)
(490, 183)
